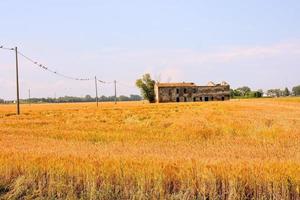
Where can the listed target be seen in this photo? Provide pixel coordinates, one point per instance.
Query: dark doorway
(177, 99)
(205, 98)
(223, 98)
(200, 98)
(212, 98)
(194, 99)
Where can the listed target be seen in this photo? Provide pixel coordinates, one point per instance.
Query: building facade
(190, 92)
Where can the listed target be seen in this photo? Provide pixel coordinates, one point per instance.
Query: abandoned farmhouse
(188, 92)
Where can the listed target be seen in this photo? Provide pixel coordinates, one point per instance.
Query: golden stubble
(228, 148)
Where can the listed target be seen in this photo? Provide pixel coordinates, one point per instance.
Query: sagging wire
(50, 70)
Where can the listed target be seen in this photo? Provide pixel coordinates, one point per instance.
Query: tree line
(70, 99)
(146, 86)
(246, 92)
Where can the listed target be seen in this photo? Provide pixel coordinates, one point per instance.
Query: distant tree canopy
(146, 85)
(286, 92)
(245, 92)
(275, 92)
(69, 99)
(88, 97)
(296, 90)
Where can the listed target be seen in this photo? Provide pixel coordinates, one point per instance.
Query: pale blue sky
(249, 42)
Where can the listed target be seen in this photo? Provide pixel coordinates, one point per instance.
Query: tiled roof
(224, 83)
(184, 84)
(175, 84)
(210, 83)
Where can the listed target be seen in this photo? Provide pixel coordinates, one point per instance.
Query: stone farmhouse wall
(191, 93)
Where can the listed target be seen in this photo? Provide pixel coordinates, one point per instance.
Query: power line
(53, 71)
(50, 70)
(57, 73)
(6, 48)
(105, 82)
(126, 85)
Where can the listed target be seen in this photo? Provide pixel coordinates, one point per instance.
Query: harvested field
(238, 149)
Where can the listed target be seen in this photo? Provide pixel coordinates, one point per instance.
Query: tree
(256, 94)
(134, 97)
(286, 92)
(123, 98)
(88, 97)
(275, 92)
(245, 90)
(232, 93)
(261, 92)
(146, 85)
(236, 93)
(296, 90)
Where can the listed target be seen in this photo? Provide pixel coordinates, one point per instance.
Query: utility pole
(17, 81)
(29, 97)
(115, 91)
(96, 87)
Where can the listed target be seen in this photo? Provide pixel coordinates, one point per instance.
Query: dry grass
(247, 149)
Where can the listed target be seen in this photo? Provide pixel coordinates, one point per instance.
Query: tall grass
(246, 149)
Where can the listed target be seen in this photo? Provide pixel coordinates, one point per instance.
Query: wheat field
(238, 149)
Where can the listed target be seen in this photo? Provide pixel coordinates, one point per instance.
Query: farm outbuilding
(190, 92)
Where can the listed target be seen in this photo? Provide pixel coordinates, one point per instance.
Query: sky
(251, 42)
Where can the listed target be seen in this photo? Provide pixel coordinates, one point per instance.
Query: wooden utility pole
(96, 87)
(29, 97)
(17, 81)
(115, 91)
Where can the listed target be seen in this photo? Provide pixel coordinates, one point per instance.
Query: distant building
(189, 92)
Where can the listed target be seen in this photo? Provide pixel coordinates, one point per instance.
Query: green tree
(286, 92)
(255, 94)
(134, 97)
(275, 92)
(245, 90)
(88, 98)
(260, 92)
(146, 85)
(296, 90)
(231, 93)
(123, 98)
